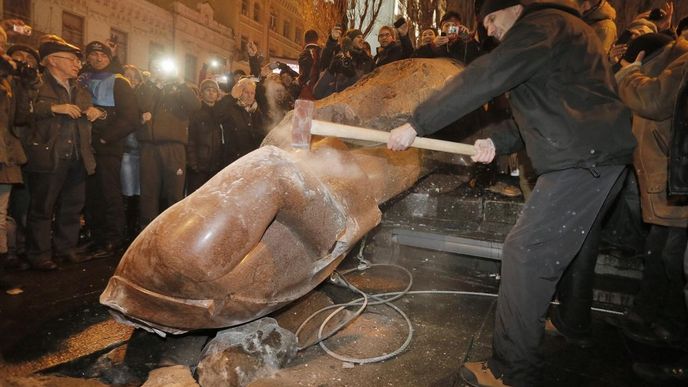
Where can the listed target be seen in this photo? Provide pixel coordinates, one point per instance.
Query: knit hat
(352, 34)
(26, 49)
(650, 43)
(490, 6)
(54, 46)
(209, 83)
(98, 46)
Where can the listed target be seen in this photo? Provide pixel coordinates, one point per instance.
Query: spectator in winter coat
(456, 40)
(11, 153)
(349, 63)
(309, 65)
(600, 15)
(163, 141)
(427, 44)
(59, 157)
(241, 120)
(648, 87)
(131, 159)
(391, 48)
(204, 152)
(673, 372)
(113, 95)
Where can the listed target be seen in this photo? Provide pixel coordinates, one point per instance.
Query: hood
(604, 12)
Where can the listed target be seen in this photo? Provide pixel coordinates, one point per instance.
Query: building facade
(276, 26)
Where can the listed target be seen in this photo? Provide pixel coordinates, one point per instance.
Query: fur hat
(208, 83)
(54, 46)
(98, 46)
(490, 6)
(26, 49)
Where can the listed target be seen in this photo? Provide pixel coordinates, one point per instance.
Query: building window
(121, 39)
(18, 9)
(190, 68)
(244, 7)
(273, 20)
(155, 52)
(256, 12)
(73, 28)
(298, 35)
(286, 28)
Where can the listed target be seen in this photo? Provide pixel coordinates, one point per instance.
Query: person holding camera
(456, 41)
(11, 153)
(25, 87)
(60, 156)
(166, 107)
(348, 64)
(114, 96)
(391, 49)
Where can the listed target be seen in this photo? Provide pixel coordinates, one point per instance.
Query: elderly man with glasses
(60, 156)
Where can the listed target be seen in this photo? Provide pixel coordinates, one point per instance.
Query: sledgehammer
(303, 125)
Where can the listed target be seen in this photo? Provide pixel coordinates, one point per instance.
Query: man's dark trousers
(575, 289)
(62, 194)
(549, 233)
(162, 174)
(104, 200)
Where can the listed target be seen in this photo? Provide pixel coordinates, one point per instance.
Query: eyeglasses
(384, 35)
(71, 59)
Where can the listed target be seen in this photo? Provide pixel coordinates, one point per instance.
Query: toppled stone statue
(274, 224)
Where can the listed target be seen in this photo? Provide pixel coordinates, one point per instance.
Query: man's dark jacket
(121, 119)
(206, 140)
(560, 89)
(397, 50)
(678, 156)
(243, 130)
(306, 65)
(170, 108)
(44, 133)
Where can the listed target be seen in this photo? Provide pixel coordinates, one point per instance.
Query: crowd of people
(85, 137)
(96, 149)
(93, 150)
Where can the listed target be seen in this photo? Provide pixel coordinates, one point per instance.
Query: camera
(22, 29)
(22, 71)
(453, 30)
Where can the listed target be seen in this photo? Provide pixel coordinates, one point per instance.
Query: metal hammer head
(301, 123)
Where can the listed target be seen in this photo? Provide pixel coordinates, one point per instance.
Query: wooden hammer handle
(330, 129)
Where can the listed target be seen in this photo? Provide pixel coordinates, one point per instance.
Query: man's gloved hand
(484, 151)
